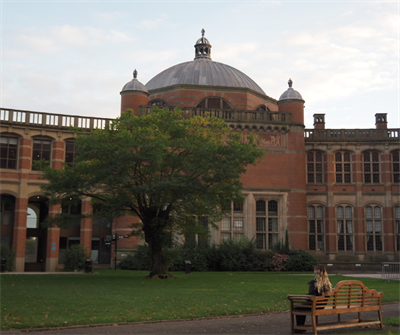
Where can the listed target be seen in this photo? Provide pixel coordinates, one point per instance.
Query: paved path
(273, 323)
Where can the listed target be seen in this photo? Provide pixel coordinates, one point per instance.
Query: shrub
(8, 255)
(140, 260)
(301, 260)
(278, 262)
(74, 258)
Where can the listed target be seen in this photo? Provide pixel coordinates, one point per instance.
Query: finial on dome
(134, 74)
(290, 82)
(202, 47)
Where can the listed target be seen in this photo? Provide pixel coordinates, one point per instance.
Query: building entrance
(36, 235)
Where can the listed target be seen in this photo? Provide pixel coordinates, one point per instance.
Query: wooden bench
(348, 296)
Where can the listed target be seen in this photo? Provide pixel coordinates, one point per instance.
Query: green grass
(30, 301)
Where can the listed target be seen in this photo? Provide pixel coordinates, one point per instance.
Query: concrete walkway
(273, 323)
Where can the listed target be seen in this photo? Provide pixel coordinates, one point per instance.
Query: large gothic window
(344, 221)
(373, 215)
(266, 224)
(232, 226)
(315, 228)
(397, 226)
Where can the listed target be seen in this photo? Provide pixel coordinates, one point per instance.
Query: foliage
(140, 260)
(8, 255)
(162, 167)
(301, 260)
(126, 296)
(278, 262)
(74, 258)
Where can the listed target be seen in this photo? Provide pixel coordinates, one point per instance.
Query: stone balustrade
(50, 120)
(351, 135)
(229, 115)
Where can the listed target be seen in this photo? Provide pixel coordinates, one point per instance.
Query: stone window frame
(158, 102)
(233, 224)
(8, 162)
(397, 226)
(313, 165)
(262, 108)
(41, 151)
(267, 223)
(70, 162)
(371, 167)
(374, 228)
(343, 169)
(204, 103)
(316, 227)
(345, 227)
(395, 160)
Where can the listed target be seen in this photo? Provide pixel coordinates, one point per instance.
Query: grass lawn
(29, 301)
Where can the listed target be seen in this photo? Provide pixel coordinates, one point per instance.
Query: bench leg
(380, 318)
(314, 324)
(292, 323)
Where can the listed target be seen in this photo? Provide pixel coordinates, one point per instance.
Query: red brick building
(336, 191)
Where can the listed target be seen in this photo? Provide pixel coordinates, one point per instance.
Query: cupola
(292, 102)
(134, 94)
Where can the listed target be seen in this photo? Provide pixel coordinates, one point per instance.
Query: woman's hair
(322, 283)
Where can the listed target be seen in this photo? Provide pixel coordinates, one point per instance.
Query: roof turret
(135, 85)
(290, 93)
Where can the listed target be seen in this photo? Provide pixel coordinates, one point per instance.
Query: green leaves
(161, 167)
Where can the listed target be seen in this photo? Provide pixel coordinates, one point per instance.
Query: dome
(203, 71)
(290, 93)
(135, 85)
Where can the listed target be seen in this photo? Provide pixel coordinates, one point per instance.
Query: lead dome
(203, 71)
(290, 93)
(134, 85)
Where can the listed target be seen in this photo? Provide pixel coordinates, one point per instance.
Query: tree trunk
(157, 263)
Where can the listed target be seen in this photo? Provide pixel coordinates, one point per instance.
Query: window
(7, 208)
(395, 167)
(266, 224)
(343, 167)
(158, 102)
(213, 103)
(262, 108)
(371, 167)
(316, 228)
(70, 153)
(41, 151)
(344, 220)
(9, 152)
(314, 167)
(232, 226)
(397, 226)
(373, 217)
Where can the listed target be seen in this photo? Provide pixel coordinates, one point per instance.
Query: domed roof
(290, 93)
(135, 85)
(203, 71)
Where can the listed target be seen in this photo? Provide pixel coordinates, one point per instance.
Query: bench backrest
(348, 293)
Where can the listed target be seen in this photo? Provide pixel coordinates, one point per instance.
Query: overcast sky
(74, 57)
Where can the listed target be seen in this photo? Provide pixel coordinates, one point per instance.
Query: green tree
(162, 167)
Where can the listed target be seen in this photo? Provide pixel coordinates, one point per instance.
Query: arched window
(314, 167)
(315, 228)
(396, 167)
(371, 167)
(214, 103)
(70, 153)
(7, 209)
(343, 167)
(373, 216)
(267, 222)
(262, 108)
(344, 221)
(8, 152)
(158, 102)
(41, 151)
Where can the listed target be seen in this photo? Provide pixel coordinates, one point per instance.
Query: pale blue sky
(73, 57)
